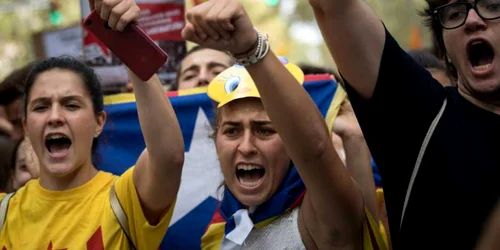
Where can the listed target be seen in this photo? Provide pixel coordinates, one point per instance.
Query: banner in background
(162, 20)
(65, 41)
(122, 143)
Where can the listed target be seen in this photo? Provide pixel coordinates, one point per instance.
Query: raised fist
(118, 13)
(221, 25)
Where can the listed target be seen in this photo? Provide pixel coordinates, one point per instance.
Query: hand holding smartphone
(132, 46)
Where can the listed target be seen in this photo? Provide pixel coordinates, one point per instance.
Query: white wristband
(262, 50)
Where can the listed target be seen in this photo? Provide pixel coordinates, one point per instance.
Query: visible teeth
(248, 183)
(483, 67)
(248, 167)
(54, 137)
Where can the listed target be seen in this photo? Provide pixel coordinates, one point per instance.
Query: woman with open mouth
(73, 205)
(273, 145)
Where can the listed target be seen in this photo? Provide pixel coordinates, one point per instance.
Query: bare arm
(334, 199)
(490, 237)
(358, 158)
(355, 37)
(158, 170)
(157, 174)
(333, 203)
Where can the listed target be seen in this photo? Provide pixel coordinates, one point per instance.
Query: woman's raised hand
(118, 13)
(222, 25)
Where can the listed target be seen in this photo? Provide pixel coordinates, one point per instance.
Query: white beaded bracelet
(262, 50)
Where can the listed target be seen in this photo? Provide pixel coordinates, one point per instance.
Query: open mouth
(250, 175)
(480, 55)
(57, 144)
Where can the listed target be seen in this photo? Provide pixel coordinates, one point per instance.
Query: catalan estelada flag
(122, 142)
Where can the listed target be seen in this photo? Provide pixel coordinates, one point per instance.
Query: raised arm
(157, 174)
(355, 37)
(332, 210)
(358, 158)
(490, 235)
(158, 170)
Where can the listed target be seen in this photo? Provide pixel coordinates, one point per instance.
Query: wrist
(254, 55)
(253, 48)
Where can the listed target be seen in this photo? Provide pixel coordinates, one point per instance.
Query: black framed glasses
(453, 15)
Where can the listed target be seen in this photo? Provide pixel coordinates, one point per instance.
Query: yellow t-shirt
(79, 218)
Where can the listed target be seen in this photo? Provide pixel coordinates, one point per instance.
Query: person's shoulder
(107, 175)
(28, 187)
(127, 173)
(24, 190)
(104, 180)
(125, 181)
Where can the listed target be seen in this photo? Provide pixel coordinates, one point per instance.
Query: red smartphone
(132, 46)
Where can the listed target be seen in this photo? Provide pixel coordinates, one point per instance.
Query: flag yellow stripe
(334, 108)
(119, 98)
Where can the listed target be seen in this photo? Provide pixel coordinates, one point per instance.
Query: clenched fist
(118, 13)
(221, 25)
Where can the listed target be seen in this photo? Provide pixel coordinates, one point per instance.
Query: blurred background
(289, 23)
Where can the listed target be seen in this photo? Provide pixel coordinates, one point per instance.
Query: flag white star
(201, 174)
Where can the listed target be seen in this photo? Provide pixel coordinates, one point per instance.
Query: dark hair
(215, 121)
(6, 151)
(427, 60)
(175, 85)
(437, 33)
(88, 76)
(310, 69)
(12, 87)
(13, 158)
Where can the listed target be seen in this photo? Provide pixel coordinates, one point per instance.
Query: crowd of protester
(427, 123)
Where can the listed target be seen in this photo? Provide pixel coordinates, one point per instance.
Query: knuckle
(124, 20)
(198, 16)
(222, 19)
(115, 12)
(238, 4)
(211, 19)
(121, 23)
(107, 3)
(189, 15)
(136, 8)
